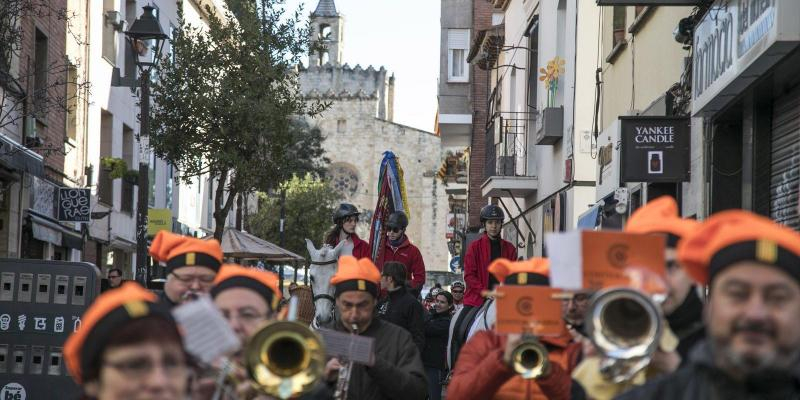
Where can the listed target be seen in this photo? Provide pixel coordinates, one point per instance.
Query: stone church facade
(358, 128)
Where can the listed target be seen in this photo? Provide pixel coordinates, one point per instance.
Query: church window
(344, 178)
(341, 125)
(457, 48)
(325, 32)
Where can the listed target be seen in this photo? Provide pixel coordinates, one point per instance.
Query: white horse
(324, 263)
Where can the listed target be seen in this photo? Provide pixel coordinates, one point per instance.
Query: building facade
(537, 150)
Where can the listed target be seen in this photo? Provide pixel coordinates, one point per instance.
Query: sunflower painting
(550, 75)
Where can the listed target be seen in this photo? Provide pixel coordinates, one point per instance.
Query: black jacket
(163, 299)
(687, 324)
(397, 374)
(700, 379)
(402, 309)
(437, 326)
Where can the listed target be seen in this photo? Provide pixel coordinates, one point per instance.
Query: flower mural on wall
(550, 76)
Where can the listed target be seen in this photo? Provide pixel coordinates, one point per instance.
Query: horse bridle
(324, 296)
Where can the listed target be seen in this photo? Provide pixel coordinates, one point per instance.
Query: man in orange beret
(128, 347)
(191, 265)
(484, 370)
(752, 351)
(683, 306)
(398, 370)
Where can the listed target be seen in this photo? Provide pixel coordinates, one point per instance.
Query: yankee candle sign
(655, 149)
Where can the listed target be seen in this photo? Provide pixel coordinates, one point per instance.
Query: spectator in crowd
(437, 324)
(114, 278)
(457, 290)
(401, 307)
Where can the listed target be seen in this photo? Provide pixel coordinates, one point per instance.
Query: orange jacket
(480, 372)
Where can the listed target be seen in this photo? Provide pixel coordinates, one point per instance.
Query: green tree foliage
(309, 203)
(228, 102)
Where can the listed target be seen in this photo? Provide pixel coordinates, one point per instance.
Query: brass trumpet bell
(625, 325)
(284, 359)
(529, 358)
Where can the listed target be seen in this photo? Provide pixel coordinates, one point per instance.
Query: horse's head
(323, 265)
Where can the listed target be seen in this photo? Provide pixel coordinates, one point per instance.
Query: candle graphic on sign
(655, 162)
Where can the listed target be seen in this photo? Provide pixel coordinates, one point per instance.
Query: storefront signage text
(736, 42)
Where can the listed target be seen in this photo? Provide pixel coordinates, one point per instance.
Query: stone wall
(330, 81)
(356, 140)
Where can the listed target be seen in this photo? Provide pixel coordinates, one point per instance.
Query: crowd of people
(729, 314)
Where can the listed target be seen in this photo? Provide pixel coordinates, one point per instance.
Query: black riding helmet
(345, 210)
(492, 212)
(397, 219)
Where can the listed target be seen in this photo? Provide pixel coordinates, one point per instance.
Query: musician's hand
(513, 341)
(332, 369)
(665, 362)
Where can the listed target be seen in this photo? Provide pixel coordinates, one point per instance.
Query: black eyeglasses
(394, 230)
(114, 276)
(458, 291)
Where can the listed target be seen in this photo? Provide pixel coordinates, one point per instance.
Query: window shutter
(458, 39)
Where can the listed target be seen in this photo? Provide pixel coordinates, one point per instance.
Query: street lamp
(145, 30)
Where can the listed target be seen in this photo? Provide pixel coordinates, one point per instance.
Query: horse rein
(329, 262)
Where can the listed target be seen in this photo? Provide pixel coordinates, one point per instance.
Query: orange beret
(356, 274)
(661, 216)
(185, 251)
(262, 282)
(736, 235)
(535, 271)
(107, 314)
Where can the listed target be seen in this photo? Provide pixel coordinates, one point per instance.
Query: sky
(401, 35)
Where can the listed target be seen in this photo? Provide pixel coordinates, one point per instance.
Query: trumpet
(625, 326)
(343, 382)
(529, 358)
(284, 359)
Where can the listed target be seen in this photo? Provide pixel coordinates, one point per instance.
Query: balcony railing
(507, 143)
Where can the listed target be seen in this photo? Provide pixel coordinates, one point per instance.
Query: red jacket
(361, 248)
(480, 372)
(476, 267)
(408, 255)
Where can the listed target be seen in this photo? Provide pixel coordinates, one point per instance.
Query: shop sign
(158, 219)
(655, 149)
(735, 43)
(74, 204)
(608, 161)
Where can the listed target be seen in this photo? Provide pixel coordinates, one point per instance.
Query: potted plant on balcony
(551, 125)
(116, 167)
(131, 176)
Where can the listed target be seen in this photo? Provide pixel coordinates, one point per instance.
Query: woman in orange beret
(128, 347)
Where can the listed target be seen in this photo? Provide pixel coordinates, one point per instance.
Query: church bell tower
(327, 27)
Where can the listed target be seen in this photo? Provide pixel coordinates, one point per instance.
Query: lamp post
(145, 29)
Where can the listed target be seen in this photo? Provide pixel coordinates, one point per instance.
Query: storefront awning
(21, 158)
(52, 232)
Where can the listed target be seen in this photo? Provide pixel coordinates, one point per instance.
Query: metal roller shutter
(785, 177)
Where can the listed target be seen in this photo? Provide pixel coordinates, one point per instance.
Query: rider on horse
(345, 219)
